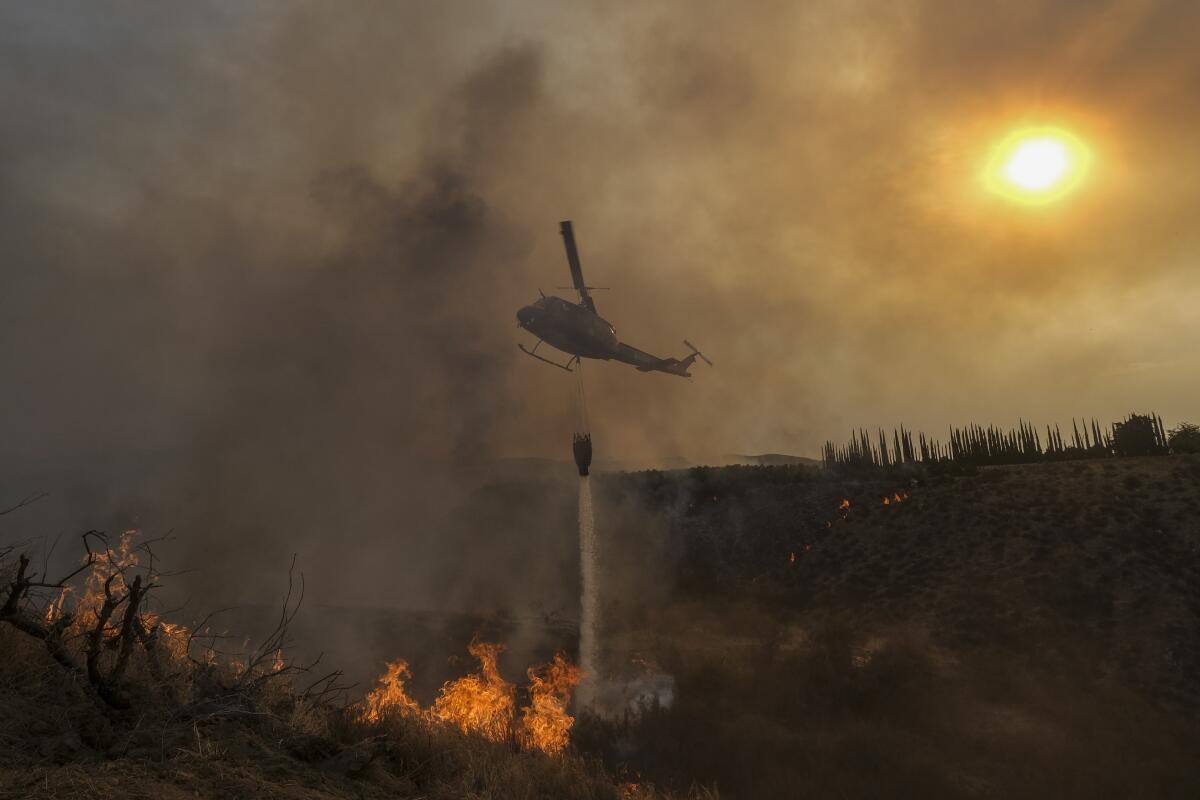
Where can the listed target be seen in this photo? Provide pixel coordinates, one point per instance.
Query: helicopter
(579, 331)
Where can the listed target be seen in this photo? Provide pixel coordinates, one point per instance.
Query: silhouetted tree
(975, 445)
(1185, 438)
(1137, 436)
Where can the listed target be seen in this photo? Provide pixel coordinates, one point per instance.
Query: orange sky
(277, 251)
(795, 188)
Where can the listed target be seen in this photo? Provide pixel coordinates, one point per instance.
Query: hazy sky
(283, 243)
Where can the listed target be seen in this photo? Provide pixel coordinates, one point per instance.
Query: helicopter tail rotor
(696, 352)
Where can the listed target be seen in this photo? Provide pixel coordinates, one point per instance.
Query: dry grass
(56, 742)
(1008, 632)
(1025, 631)
(841, 714)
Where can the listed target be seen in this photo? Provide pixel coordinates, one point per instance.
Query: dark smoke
(260, 264)
(324, 373)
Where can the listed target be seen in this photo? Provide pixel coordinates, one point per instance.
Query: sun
(1037, 165)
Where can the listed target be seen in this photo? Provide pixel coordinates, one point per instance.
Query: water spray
(589, 599)
(589, 605)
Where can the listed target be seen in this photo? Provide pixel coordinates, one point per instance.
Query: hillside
(1042, 615)
(1106, 549)
(1007, 631)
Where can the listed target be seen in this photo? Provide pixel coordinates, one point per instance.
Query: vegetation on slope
(995, 632)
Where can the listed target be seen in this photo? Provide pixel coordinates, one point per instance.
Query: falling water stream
(589, 594)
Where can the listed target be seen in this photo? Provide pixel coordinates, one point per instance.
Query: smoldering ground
(261, 263)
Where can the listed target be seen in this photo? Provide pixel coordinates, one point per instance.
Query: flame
(845, 506)
(389, 697)
(173, 638)
(114, 564)
(792, 557)
(545, 724)
(107, 565)
(482, 702)
(54, 611)
(887, 501)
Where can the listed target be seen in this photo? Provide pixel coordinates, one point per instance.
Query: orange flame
(482, 702)
(389, 697)
(545, 723)
(845, 506)
(107, 565)
(173, 638)
(54, 611)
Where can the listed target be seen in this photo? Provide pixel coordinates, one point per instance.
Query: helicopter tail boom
(644, 362)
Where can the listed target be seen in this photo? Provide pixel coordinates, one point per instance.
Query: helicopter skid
(567, 366)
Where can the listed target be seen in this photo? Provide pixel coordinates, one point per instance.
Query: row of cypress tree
(1136, 435)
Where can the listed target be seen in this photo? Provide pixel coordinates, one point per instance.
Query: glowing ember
(389, 697)
(483, 702)
(845, 506)
(545, 724)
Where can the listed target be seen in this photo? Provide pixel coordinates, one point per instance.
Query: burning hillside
(166, 703)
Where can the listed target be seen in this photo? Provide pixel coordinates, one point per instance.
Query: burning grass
(483, 703)
(390, 696)
(479, 703)
(102, 697)
(545, 724)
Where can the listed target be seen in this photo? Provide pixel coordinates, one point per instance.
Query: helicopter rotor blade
(568, 235)
(696, 350)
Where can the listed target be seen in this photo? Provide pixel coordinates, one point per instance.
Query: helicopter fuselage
(570, 327)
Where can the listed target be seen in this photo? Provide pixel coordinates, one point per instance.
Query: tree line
(975, 445)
